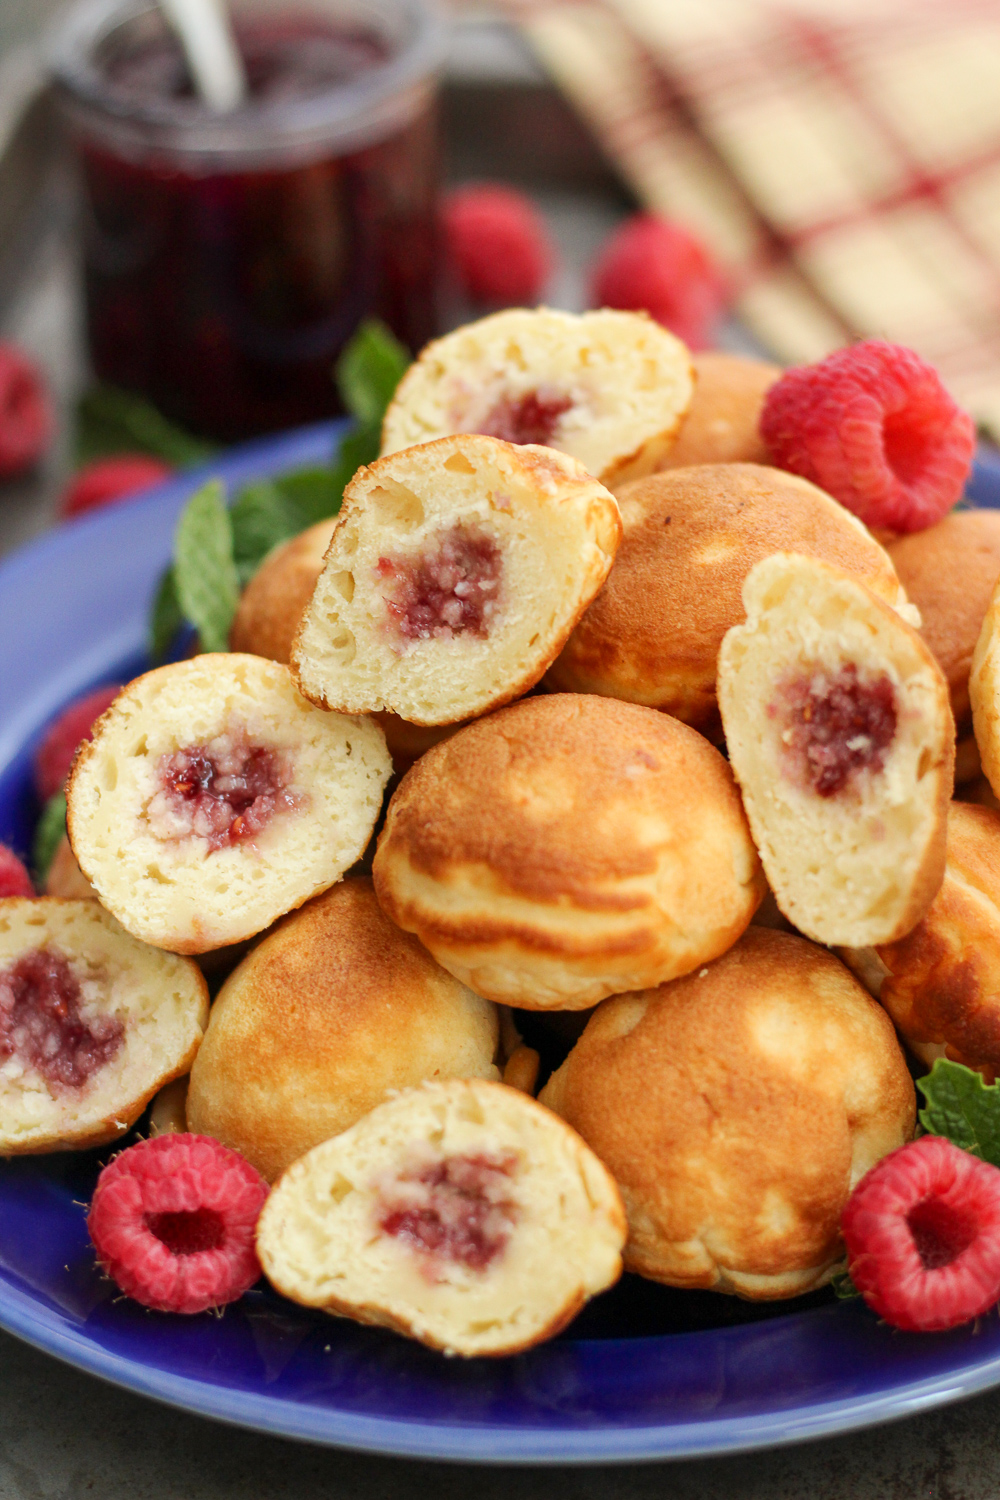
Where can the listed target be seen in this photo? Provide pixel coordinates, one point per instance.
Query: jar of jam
(227, 259)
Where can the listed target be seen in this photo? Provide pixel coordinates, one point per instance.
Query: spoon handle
(207, 38)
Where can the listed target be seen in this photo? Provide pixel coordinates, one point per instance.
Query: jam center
(837, 725)
(458, 1209)
(451, 589)
(42, 1026)
(532, 418)
(225, 791)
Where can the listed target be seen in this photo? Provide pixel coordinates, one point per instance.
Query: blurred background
(825, 170)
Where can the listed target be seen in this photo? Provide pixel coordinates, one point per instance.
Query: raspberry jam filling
(458, 1209)
(837, 724)
(225, 791)
(451, 589)
(42, 1025)
(531, 418)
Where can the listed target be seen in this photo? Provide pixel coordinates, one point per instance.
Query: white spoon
(206, 35)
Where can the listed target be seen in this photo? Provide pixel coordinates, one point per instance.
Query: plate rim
(24, 1315)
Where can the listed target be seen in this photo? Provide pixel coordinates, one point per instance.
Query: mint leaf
(109, 420)
(843, 1286)
(369, 370)
(48, 831)
(165, 616)
(205, 575)
(314, 492)
(261, 517)
(963, 1108)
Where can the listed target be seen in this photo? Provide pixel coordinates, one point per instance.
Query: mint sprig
(205, 575)
(109, 420)
(48, 832)
(217, 551)
(961, 1107)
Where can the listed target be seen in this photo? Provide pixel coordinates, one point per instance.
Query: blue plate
(644, 1373)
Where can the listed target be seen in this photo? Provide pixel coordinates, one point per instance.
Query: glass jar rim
(347, 114)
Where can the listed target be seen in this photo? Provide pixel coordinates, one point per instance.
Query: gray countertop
(64, 1435)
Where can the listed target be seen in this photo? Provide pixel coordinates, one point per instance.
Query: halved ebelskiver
(609, 388)
(841, 736)
(455, 575)
(92, 1023)
(213, 798)
(463, 1214)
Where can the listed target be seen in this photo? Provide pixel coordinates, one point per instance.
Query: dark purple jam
(226, 792)
(529, 419)
(458, 1209)
(225, 296)
(452, 589)
(42, 1026)
(837, 725)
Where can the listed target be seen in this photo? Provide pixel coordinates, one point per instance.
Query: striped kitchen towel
(841, 157)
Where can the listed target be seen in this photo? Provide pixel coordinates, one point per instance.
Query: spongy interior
(321, 1240)
(178, 892)
(844, 863)
(160, 1000)
(538, 515)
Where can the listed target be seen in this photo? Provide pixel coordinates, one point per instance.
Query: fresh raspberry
(653, 265)
(25, 413)
(922, 1230)
(54, 755)
(874, 427)
(14, 878)
(173, 1221)
(498, 244)
(108, 480)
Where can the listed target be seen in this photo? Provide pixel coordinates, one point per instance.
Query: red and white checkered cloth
(842, 157)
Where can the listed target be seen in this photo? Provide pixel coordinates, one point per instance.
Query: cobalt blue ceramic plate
(644, 1373)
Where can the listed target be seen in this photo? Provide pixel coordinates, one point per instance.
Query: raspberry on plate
(54, 755)
(922, 1230)
(14, 878)
(874, 427)
(654, 265)
(109, 480)
(25, 412)
(498, 244)
(173, 1221)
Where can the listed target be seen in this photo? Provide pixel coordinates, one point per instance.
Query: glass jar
(228, 258)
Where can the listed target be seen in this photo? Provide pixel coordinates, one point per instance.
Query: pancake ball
(332, 1011)
(949, 571)
(736, 1109)
(268, 616)
(567, 848)
(722, 422)
(941, 983)
(691, 536)
(271, 605)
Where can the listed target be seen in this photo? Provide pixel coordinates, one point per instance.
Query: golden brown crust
(949, 571)
(596, 837)
(330, 1011)
(721, 426)
(942, 988)
(271, 605)
(691, 536)
(737, 1108)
